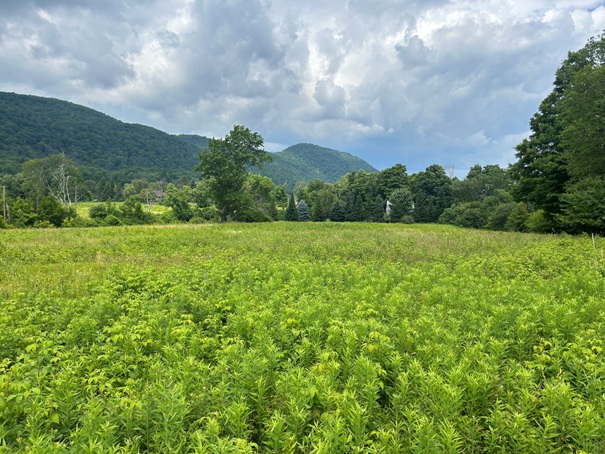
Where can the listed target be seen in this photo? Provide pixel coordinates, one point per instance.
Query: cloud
(406, 81)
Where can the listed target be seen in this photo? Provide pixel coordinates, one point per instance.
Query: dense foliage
(557, 184)
(32, 127)
(560, 167)
(224, 168)
(305, 162)
(300, 338)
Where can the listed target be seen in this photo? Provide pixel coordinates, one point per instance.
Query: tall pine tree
(291, 211)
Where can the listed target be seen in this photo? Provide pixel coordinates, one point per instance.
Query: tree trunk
(224, 213)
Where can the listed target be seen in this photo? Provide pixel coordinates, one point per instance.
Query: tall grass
(300, 338)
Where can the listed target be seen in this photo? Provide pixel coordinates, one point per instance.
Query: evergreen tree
(291, 211)
(353, 208)
(339, 211)
(273, 213)
(378, 209)
(304, 214)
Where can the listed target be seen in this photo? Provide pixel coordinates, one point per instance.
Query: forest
(557, 183)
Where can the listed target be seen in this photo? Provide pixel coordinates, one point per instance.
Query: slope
(305, 162)
(34, 127)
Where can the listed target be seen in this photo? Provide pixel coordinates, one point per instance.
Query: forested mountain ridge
(35, 127)
(305, 162)
(302, 162)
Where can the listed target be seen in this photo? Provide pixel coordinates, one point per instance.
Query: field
(84, 207)
(301, 337)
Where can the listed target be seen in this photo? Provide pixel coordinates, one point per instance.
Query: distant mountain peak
(306, 161)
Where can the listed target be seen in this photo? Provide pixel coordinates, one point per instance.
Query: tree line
(47, 191)
(557, 183)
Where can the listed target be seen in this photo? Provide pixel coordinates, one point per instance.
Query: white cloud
(392, 80)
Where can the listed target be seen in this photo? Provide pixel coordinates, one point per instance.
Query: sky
(416, 82)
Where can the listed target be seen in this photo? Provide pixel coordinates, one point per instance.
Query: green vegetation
(224, 166)
(300, 337)
(557, 184)
(305, 162)
(561, 165)
(104, 149)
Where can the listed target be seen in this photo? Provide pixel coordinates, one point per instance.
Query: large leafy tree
(583, 113)
(542, 171)
(224, 165)
(481, 182)
(583, 206)
(401, 201)
(432, 191)
(392, 179)
(178, 200)
(320, 197)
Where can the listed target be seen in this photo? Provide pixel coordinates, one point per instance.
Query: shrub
(537, 222)
(112, 220)
(249, 214)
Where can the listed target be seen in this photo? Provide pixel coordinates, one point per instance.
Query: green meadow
(300, 337)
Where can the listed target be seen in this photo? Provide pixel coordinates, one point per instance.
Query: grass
(300, 337)
(83, 208)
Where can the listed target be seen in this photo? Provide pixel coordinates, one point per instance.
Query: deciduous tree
(563, 132)
(225, 166)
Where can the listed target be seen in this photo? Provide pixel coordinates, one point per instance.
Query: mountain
(102, 147)
(305, 162)
(198, 141)
(35, 127)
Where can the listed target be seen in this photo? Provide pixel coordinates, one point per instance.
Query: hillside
(102, 147)
(35, 127)
(305, 162)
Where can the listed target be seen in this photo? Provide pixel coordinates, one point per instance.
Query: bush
(98, 211)
(51, 211)
(499, 216)
(518, 218)
(81, 222)
(470, 214)
(168, 218)
(537, 222)
(112, 220)
(248, 214)
(22, 214)
(206, 214)
(43, 224)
